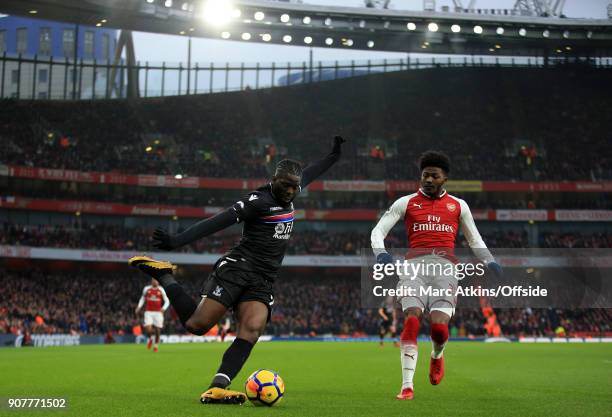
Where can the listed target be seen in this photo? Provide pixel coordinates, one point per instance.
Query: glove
(162, 239)
(496, 268)
(338, 141)
(384, 258)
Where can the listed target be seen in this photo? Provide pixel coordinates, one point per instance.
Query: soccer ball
(265, 387)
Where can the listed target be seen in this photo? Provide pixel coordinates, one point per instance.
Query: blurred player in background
(242, 280)
(224, 327)
(156, 302)
(388, 322)
(432, 218)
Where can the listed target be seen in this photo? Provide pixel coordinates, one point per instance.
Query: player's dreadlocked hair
(434, 159)
(289, 166)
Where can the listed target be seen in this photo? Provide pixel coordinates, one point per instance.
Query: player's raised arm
(243, 210)
(316, 169)
(474, 240)
(384, 225)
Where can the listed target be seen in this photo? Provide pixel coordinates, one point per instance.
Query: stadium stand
(532, 124)
(95, 303)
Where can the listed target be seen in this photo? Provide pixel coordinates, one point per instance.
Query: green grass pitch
(322, 379)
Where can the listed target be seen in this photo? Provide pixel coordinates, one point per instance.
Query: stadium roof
(336, 27)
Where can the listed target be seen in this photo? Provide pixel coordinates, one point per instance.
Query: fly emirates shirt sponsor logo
(433, 225)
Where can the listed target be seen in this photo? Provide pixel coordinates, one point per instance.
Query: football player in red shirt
(156, 302)
(431, 218)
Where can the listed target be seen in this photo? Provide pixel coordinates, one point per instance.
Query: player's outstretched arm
(475, 241)
(384, 225)
(316, 169)
(140, 302)
(165, 241)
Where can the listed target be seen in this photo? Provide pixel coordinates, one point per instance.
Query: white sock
(438, 350)
(409, 355)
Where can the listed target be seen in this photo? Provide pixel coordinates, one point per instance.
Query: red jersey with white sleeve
(430, 223)
(154, 299)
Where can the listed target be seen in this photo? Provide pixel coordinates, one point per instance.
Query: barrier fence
(35, 77)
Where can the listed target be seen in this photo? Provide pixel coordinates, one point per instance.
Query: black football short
(386, 324)
(232, 282)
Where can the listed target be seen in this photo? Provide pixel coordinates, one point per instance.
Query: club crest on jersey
(451, 207)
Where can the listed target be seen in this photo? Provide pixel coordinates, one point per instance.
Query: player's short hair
(288, 167)
(434, 159)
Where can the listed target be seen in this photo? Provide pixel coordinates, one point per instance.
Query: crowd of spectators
(496, 123)
(576, 240)
(88, 302)
(112, 237)
(304, 242)
(315, 200)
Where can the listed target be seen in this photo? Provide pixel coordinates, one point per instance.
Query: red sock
(156, 339)
(439, 333)
(411, 330)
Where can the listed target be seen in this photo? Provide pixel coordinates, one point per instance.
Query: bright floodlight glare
(178, 176)
(185, 6)
(387, 24)
(218, 12)
(168, 3)
(329, 41)
(308, 40)
(259, 15)
(150, 1)
(306, 20)
(348, 42)
(566, 34)
(287, 38)
(500, 30)
(327, 21)
(284, 18)
(225, 35)
(589, 34)
(456, 28)
(411, 26)
(432, 27)
(246, 36)
(266, 37)
(362, 24)
(522, 31)
(546, 33)
(478, 29)
(370, 44)
(236, 13)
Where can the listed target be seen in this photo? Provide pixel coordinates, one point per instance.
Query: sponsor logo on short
(275, 208)
(253, 197)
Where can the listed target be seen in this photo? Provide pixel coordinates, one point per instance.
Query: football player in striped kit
(242, 279)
